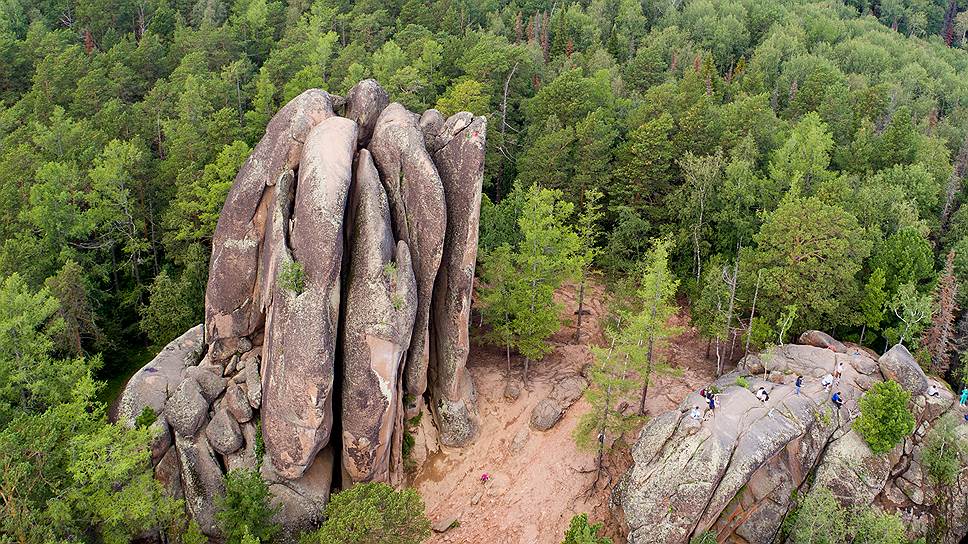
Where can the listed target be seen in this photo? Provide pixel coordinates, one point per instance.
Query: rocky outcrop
(233, 296)
(333, 272)
(381, 304)
(820, 339)
(297, 402)
(460, 162)
(736, 472)
(419, 214)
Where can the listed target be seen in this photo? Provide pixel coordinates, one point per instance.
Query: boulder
(364, 103)
(852, 472)
(202, 481)
(245, 457)
(210, 380)
(253, 383)
(562, 395)
(819, 339)
(419, 214)
(168, 472)
(300, 345)
(151, 386)
(432, 125)
(160, 439)
(301, 501)
(380, 306)
(899, 365)
(223, 433)
(237, 403)
(187, 409)
(232, 298)
(460, 162)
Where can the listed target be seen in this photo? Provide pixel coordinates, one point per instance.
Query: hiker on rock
(964, 396)
(827, 381)
(695, 414)
(762, 394)
(798, 384)
(838, 371)
(933, 391)
(837, 399)
(712, 401)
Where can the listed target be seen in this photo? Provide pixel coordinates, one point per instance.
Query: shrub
(874, 527)
(193, 534)
(145, 418)
(742, 382)
(580, 532)
(372, 513)
(819, 519)
(705, 537)
(245, 508)
(291, 277)
(940, 453)
(885, 419)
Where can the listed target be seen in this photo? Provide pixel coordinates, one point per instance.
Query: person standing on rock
(798, 384)
(712, 401)
(964, 396)
(837, 400)
(838, 371)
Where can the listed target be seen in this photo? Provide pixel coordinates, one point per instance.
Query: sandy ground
(539, 480)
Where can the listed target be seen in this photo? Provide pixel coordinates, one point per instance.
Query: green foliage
(942, 447)
(705, 537)
(175, 305)
(581, 532)
(193, 534)
(741, 381)
(885, 419)
(372, 513)
(872, 526)
(817, 519)
(467, 95)
(292, 277)
(145, 418)
(244, 510)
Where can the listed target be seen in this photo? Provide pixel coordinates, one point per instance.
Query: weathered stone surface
(820, 339)
(852, 472)
(187, 409)
(232, 299)
(460, 162)
(364, 104)
(160, 439)
(301, 501)
(253, 383)
(223, 432)
(380, 306)
(419, 213)
(202, 481)
(151, 386)
(245, 457)
(688, 478)
(899, 365)
(300, 345)
(168, 472)
(237, 403)
(432, 125)
(562, 395)
(210, 380)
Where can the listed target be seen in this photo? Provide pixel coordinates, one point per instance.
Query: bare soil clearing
(539, 480)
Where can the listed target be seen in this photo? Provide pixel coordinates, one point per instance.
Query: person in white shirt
(827, 381)
(762, 394)
(695, 414)
(933, 391)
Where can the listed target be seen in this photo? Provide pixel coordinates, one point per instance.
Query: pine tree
(648, 331)
(588, 233)
(937, 337)
(872, 305)
(545, 258)
(496, 291)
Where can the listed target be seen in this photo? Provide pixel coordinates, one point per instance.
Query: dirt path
(539, 480)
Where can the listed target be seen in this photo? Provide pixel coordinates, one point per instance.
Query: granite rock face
(419, 214)
(339, 286)
(734, 472)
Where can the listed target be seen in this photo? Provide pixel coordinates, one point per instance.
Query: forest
(801, 165)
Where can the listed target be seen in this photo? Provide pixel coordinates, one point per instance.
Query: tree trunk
(863, 330)
(581, 308)
(749, 330)
(649, 352)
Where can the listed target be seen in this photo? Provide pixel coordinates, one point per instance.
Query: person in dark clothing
(838, 400)
(799, 384)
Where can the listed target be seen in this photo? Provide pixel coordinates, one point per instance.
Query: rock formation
(735, 472)
(337, 306)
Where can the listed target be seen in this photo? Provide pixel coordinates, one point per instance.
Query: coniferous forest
(802, 165)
